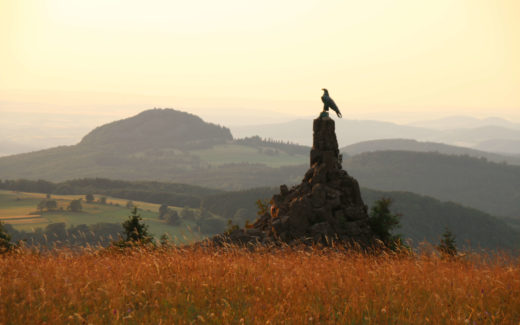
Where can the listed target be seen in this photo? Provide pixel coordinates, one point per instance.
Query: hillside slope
(166, 145)
(478, 183)
(423, 218)
(420, 146)
(157, 128)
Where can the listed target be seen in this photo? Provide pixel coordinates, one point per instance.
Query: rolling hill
(423, 218)
(465, 122)
(478, 137)
(420, 146)
(473, 182)
(352, 131)
(506, 146)
(347, 131)
(162, 144)
(156, 128)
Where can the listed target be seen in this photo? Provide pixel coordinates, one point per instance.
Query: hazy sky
(395, 58)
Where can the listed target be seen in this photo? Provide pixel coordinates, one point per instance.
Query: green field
(20, 210)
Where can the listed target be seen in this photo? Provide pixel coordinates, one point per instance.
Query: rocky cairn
(325, 207)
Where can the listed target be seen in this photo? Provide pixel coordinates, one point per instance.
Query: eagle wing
(329, 103)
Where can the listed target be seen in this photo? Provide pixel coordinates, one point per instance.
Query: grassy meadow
(20, 210)
(266, 286)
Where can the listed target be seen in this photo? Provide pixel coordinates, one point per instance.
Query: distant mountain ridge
(347, 131)
(354, 131)
(506, 146)
(465, 122)
(493, 137)
(423, 146)
(8, 147)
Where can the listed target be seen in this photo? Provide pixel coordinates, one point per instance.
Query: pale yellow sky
(386, 57)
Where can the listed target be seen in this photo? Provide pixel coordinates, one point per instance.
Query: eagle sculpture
(329, 103)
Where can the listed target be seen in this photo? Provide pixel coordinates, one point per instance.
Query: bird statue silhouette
(329, 103)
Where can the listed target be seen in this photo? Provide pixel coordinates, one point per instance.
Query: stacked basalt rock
(326, 207)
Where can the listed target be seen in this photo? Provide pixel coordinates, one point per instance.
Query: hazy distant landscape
(190, 180)
(177, 147)
(493, 135)
(259, 162)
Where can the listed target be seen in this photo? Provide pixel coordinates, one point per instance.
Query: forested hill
(166, 145)
(478, 183)
(423, 218)
(158, 128)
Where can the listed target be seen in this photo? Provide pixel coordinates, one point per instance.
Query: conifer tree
(5, 240)
(135, 230)
(383, 221)
(447, 246)
(165, 240)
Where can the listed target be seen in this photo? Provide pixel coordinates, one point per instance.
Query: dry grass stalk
(233, 285)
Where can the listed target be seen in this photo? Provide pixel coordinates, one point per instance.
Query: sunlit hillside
(165, 145)
(20, 211)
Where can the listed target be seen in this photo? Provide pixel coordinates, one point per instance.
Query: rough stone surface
(325, 207)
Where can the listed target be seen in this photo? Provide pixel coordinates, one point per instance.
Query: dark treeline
(286, 146)
(57, 234)
(154, 192)
(239, 206)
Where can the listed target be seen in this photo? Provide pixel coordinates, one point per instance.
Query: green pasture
(24, 205)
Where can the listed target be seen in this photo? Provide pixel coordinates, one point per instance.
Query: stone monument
(325, 207)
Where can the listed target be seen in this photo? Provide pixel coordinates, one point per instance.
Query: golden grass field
(235, 286)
